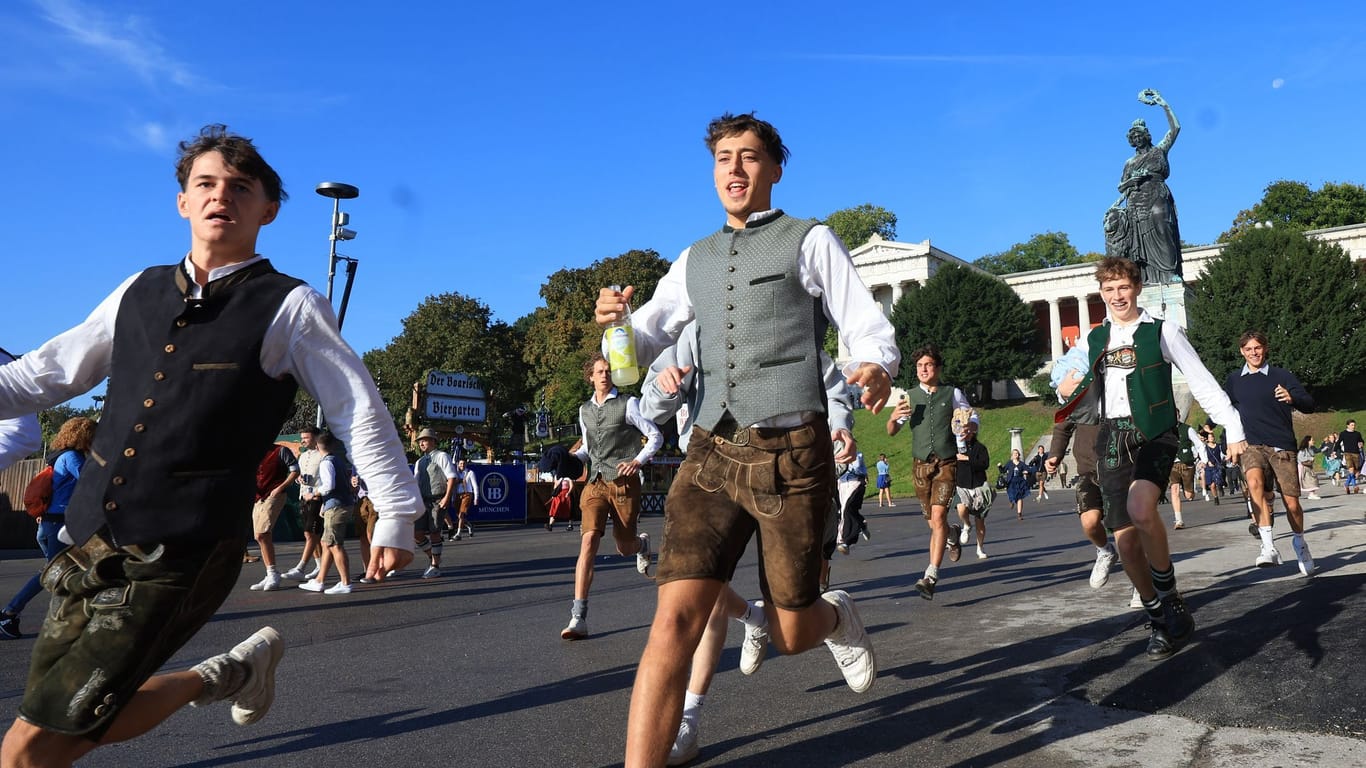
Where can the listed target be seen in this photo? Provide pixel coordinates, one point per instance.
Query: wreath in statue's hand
(1149, 96)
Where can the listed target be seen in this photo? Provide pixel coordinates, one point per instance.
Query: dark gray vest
(188, 413)
(611, 438)
(759, 331)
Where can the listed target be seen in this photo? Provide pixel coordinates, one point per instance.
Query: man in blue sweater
(1264, 395)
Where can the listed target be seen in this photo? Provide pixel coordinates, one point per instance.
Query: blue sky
(494, 145)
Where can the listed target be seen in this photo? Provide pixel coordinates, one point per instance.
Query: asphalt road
(1016, 661)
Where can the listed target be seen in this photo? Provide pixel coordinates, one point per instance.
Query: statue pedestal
(1168, 301)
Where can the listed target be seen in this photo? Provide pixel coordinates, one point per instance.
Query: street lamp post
(338, 192)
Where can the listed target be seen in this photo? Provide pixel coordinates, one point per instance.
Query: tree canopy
(856, 226)
(1293, 204)
(984, 330)
(1044, 250)
(561, 335)
(1304, 294)
(451, 332)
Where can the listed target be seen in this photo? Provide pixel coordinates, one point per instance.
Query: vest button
(118, 480)
(139, 427)
(730, 287)
(730, 307)
(734, 252)
(730, 326)
(730, 269)
(169, 348)
(730, 384)
(148, 403)
(130, 452)
(730, 365)
(100, 710)
(110, 506)
(181, 323)
(730, 346)
(159, 376)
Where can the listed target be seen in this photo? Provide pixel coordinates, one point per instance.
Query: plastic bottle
(621, 349)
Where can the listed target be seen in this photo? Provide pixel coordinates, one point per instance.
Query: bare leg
(1256, 491)
(657, 698)
(1092, 526)
(266, 541)
(939, 534)
(1143, 512)
(337, 553)
(1174, 493)
(1294, 513)
(1130, 546)
(583, 570)
(160, 697)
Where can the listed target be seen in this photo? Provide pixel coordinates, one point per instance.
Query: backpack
(38, 493)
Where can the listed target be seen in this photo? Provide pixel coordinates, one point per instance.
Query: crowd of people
(204, 358)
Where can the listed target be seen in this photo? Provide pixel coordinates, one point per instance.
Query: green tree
(450, 332)
(856, 226)
(561, 335)
(1295, 205)
(985, 332)
(1302, 293)
(1044, 250)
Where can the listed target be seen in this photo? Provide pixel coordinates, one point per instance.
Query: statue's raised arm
(1151, 97)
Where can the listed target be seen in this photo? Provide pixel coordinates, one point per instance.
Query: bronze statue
(1145, 229)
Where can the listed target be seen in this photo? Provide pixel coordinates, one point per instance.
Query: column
(1055, 328)
(897, 293)
(1084, 314)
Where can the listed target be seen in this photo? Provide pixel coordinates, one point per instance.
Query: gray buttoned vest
(611, 438)
(759, 331)
(431, 481)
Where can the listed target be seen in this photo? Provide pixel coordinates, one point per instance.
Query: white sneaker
(849, 643)
(311, 586)
(338, 589)
(1268, 557)
(1100, 572)
(981, 555)
(1302, 556)
(260, 653)
(1135, 601)
(431, 573)
(269, 583)
(313, 574)
(643, 555)
(577, 629)
(754, 648)
(964, 536)
(1315, 496)
(293, 574)
(685, 743)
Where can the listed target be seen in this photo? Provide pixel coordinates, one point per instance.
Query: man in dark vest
(1128, 387)
(928, 407)
(612, 429)
(203, 359)
(436, 482)
(762, 290)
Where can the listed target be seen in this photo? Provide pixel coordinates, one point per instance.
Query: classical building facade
(1064, 299)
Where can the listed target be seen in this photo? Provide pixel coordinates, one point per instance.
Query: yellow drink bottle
(621, 349)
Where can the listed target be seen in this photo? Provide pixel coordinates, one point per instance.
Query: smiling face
(226, 209)
(1254, 352)
(1120, 294)
(927, 371)
(744, 173)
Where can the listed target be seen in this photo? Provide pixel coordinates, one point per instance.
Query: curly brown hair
(76, 434)
(1118, 268)
(728, 125)
(592, 361)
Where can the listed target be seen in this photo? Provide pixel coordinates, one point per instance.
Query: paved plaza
(1016, 662)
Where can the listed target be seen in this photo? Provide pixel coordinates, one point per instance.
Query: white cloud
(1278, 82)
(152, 135)
(127, 40)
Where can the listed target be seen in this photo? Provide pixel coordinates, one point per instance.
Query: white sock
(692, 705)
(1102, 550)
(270, 570)
(1298, 538)
(1265, 532)
(754, 615)
(932, 572)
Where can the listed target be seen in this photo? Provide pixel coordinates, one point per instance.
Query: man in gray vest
(203, 359)
(929, 407)
(612, 429)
(762, 290)
(436, 480)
